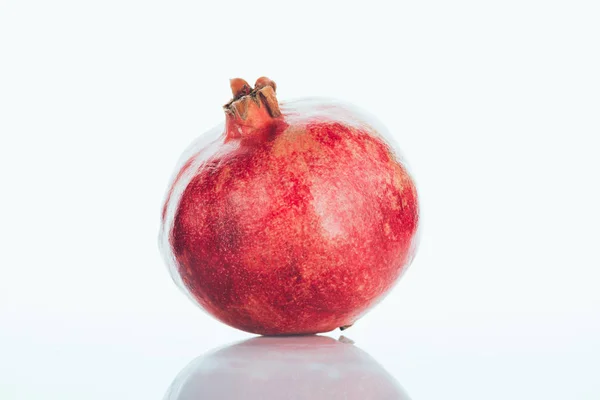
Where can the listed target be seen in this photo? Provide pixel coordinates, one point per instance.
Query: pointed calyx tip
(239, 87)
(262, 93)
(264, 81)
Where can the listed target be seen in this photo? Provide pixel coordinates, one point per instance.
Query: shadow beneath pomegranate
(295, 367)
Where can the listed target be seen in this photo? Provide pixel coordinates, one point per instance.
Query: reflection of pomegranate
(313, 367)
(291, 219)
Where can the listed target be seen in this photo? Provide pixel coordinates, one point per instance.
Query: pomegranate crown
(243, 94)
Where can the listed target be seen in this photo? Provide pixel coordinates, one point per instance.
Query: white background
(495, 103)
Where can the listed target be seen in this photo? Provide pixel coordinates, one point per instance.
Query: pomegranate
(292, 218)
(273, 368)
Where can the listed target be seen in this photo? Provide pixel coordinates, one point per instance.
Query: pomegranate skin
(296, 223)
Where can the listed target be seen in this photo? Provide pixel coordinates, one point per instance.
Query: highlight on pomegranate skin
(291, 218)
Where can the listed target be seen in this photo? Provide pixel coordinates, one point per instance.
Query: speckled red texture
(297, 228)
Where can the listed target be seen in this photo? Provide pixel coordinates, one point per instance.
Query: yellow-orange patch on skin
(298, 165)
(353, 146)
(293, 140)
(223, 177)
(371, 148)
(394, 202)
(398, 177)
(386, 229)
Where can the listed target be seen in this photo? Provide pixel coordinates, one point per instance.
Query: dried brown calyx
(251, 109)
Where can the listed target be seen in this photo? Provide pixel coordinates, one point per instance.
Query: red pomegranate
(293, 218)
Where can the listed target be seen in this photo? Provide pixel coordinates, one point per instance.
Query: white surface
(294, 368)
(495, 104)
